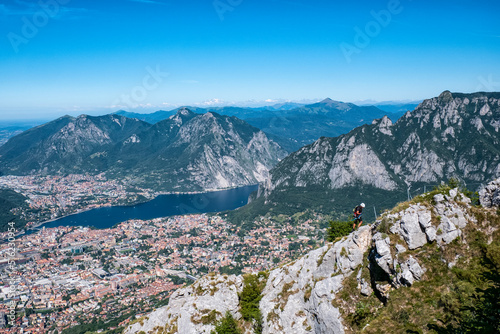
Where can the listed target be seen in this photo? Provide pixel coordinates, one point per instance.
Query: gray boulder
(411, 229)
(383, 255)
(311, 283)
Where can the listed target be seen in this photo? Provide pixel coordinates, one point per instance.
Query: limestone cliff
(450, 136)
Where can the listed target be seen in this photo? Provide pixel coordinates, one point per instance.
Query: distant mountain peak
(66, 117)
(184, 111)
(445, 96)
(182, 116)
(332, 103)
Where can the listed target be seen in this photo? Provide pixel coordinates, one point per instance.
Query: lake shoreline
(36, 227)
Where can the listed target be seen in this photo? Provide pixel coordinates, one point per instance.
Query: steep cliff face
(401, 273)
(207, 151)
(187, 151)
(453, 135)
(232, 153)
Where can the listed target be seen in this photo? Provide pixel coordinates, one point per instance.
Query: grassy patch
(320, 259)
(307, 293)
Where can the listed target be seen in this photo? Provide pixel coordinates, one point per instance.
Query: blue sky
(70, 57)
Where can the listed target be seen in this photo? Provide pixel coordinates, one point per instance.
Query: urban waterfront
(161, 206)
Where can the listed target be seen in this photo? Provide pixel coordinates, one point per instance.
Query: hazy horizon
(70, 57)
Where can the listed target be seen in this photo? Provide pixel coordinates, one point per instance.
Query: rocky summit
(426, 266)
(451, 136)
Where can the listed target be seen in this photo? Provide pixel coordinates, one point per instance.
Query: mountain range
(293, 125)
(451, 136)
(184, 152)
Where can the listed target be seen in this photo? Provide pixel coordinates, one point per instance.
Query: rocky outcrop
(453, 135)
(490, 195)
(193, 310)
(298, 297)
(303, 296)
(417, 226)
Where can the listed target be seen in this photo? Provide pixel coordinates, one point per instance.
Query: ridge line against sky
(72, 56)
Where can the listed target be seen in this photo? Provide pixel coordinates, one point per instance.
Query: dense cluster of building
(55, 196)
(68, 276)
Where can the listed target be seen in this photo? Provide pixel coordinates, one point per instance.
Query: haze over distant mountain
(301, 126)
(283, 106)
(293, 125)
(151, 118)
(453, 135)
(9, 129)
(187, 151)
(397, 108)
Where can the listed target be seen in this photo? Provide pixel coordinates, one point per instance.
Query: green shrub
(227, 325)
(338, 229)
(361, 313)
(250, 297)
(493, 254)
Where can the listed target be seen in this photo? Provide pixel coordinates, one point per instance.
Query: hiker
(357, 215)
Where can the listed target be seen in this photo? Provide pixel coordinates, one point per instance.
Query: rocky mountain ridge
(292, 125)
(387, 274)
(450, 136)
(185, 152)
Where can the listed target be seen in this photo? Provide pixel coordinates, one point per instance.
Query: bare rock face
(453, 135)
(416, 226)
(490, 195)
(298, 297)
(191, 310)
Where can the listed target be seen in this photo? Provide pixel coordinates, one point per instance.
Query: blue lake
(161, 206)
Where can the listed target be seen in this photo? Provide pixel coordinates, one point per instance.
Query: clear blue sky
(88, 56)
